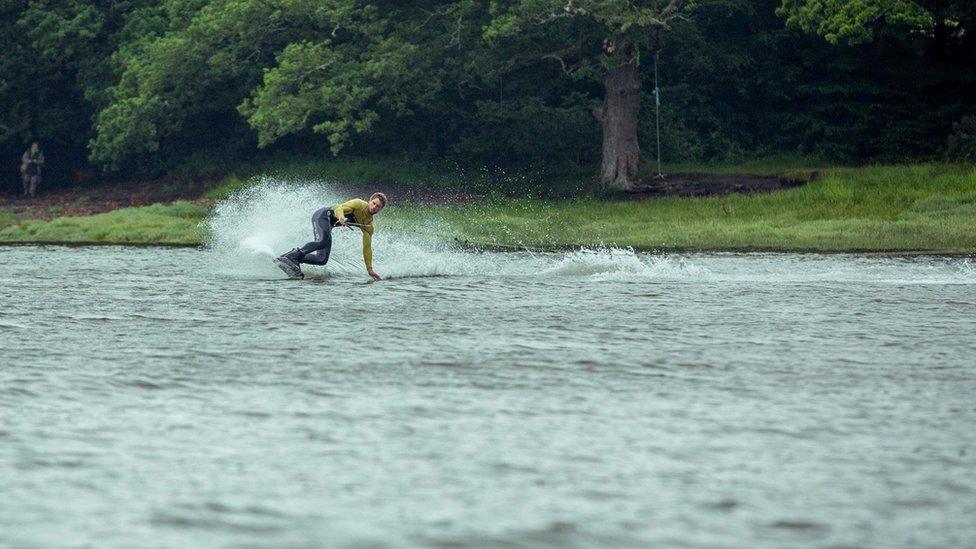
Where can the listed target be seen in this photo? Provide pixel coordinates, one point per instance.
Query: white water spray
(274, 216)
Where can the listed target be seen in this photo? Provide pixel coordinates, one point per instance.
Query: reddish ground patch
(698, 184)
(103, 197)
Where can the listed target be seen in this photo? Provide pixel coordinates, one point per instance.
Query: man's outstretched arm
(368, 250)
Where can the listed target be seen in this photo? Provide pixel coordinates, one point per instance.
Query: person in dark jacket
(30, 168)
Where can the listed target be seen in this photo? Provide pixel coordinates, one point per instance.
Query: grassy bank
(904, 208)
(918, 208)
(177, 223)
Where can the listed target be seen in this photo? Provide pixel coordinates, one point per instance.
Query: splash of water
(608, 263)
(274, 216)
(263, 221)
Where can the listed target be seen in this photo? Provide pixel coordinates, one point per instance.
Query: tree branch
(559, 59)
(669, 10)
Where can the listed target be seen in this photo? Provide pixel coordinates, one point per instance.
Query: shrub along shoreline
(926, 208)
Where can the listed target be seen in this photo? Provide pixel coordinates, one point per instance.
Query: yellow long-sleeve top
(359, 211)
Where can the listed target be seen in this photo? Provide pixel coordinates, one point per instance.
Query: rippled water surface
(172, 398)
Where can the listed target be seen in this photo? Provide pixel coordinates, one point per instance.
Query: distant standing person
(30, 168)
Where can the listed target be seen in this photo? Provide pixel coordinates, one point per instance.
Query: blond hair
(381, 196)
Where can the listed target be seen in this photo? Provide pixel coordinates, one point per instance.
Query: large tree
(604, 39)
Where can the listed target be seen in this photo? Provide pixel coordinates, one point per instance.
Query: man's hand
(373, 274)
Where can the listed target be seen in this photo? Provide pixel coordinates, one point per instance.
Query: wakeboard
(289, 267)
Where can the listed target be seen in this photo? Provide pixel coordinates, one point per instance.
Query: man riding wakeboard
(317, 252)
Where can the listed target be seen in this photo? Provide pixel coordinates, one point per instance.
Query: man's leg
(33, 185)
(25, 179)
(317, 252)
(321, 226)
(318, 257)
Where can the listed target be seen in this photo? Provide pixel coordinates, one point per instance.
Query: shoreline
(503, 248)
(909, 211)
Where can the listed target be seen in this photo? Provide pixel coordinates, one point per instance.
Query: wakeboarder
(317, 251)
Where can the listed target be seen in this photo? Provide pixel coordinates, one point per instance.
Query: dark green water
(168, 398)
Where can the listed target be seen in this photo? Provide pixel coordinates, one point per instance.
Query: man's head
(377, 201)
(35, 145)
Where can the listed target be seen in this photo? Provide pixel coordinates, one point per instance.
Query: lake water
(182, 397)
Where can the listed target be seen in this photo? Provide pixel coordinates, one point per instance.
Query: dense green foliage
(143, 86)
(861, 20)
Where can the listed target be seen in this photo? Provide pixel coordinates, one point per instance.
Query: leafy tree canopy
(145, 84)
(856, 21)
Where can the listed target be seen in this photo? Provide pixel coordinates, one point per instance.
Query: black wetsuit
(317, 252)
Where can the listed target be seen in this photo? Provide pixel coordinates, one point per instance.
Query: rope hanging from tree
(657, 113)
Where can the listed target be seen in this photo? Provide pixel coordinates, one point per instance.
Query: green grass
(909, 208)
(7, 219)
(177, 223)
(929, 207)
(230, 186)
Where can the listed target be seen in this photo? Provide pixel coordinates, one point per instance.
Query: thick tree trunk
(618, 115)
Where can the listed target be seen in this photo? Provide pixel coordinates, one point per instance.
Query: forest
(132, 89)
